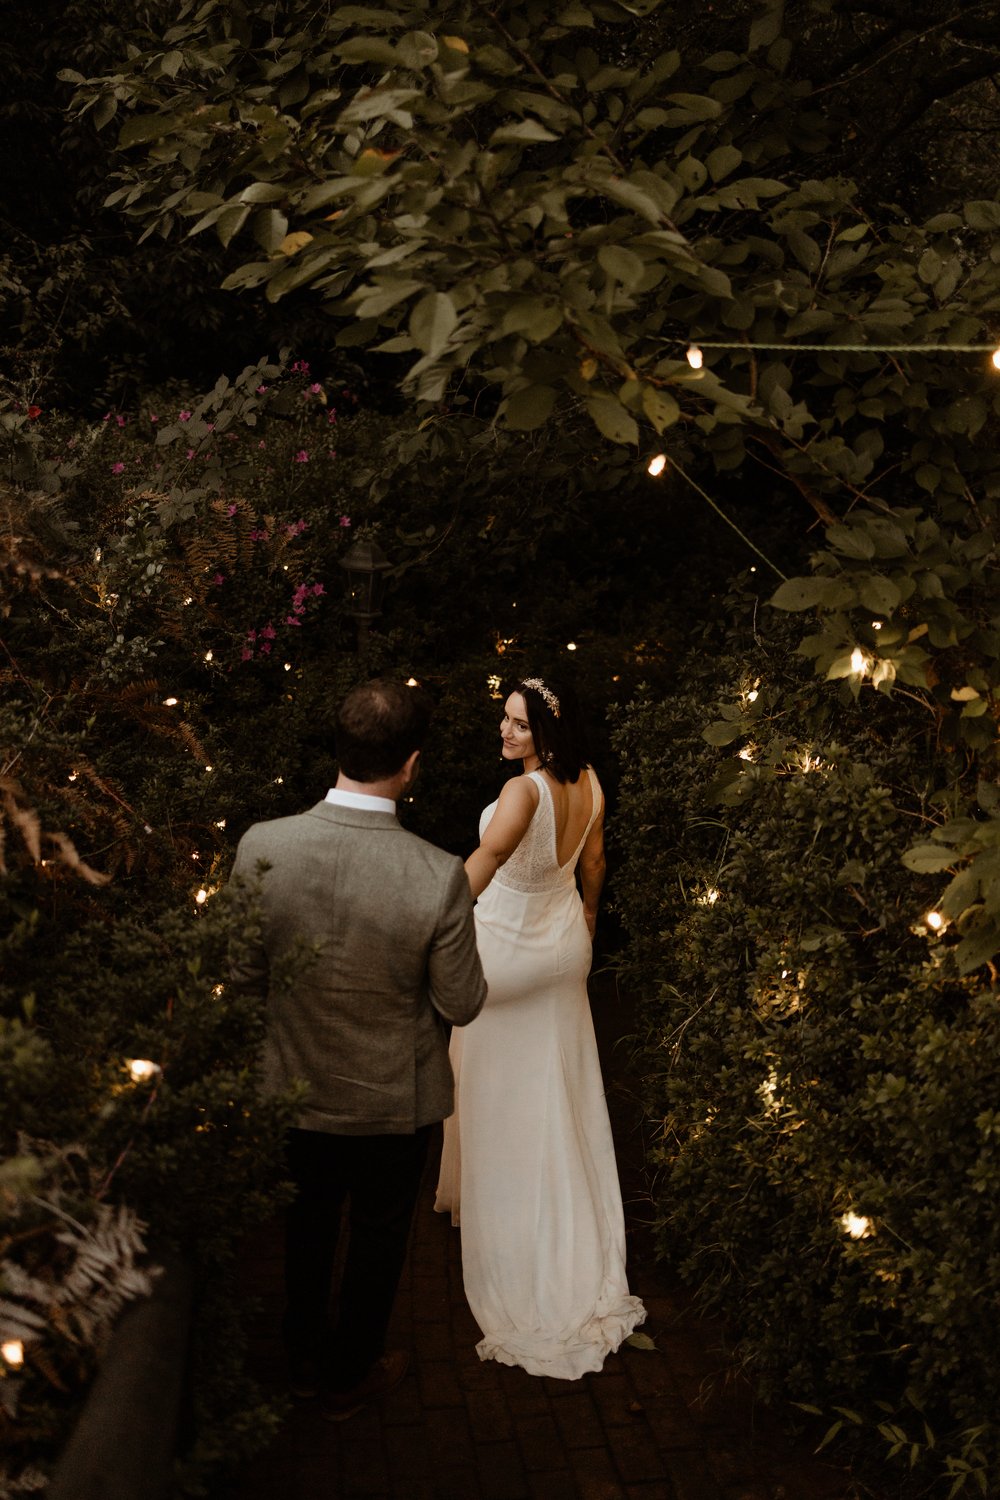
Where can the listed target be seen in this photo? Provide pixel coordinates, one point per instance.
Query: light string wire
(728, 519)
(788, 348)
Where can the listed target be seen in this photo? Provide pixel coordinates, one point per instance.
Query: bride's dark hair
(556, 724)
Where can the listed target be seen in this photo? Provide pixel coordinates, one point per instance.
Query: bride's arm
(592, 865)
(506, 829)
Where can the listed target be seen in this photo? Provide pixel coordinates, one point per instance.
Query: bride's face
(514, 730)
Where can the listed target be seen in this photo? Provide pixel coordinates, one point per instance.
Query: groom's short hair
(378, 727)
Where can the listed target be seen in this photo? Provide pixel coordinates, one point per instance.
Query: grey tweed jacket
(388, 920)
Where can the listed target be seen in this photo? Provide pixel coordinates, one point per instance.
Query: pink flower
(231, 510)
(190, 453)
(251, 635)
(318, 589)
(316, 390)
(300, 367)
(246, 654)
(183, 416)
(268, 633)
(219, 578)
(261, 389)
(210, 426)
(153, 417)
(331, 453)
(345, 520)
(120, 421)
(302, 457)
(331, 415)
(117, 468)
(291, 620)
(258, 534)
(265, 649)
(106, 417)
(262, 444)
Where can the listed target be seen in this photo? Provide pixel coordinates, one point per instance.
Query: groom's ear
(411, 769)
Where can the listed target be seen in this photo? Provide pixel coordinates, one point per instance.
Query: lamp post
(366, 566)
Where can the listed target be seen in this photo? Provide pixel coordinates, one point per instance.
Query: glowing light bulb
(753, 695)
(657, 465)
(13, 1353)
(934, 920)
(288, 666)
(201, 896)
(710, 897)
(208, 655)
(747, 752)
(856, 1225)
(876, 624)
(141, 1070)
(859, 660)
(694, 357)
(279, 781)
(221, 823)
(169, 702)
(189, 600)
(72, 775)
(571, 645)
(412, 682)
(995, 359)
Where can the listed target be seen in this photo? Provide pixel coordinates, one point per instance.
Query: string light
(169, 702)
(695, 358)
(657, 465)
(221, 823)
(209, 768)
(710, 897)
(217, 990)
(189, 600)
(571, 645)
(856, 1225)
(859, 661)
(934, 920)
(876, 624)
(288, 666)
(201, 896)
(72, 775)
(995, 359)
(141, 1070)
(747, 753)
(13, 1353)
(412, 682)
(208, 655)
(493, 683)
(753, 695)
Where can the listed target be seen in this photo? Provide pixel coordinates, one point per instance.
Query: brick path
(673, 1423)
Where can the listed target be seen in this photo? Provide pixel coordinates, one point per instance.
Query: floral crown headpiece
(543, 692)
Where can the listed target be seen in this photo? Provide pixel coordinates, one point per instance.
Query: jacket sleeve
(457, 986)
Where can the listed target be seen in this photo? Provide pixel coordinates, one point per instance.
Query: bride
(528, 1165)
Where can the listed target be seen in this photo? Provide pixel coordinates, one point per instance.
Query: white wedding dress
(528, 1165)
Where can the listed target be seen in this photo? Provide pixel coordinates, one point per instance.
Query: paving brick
(578, 1422)
(501, 1473)
(438, 1383)
(489, 1418)
(366, 1475)
(539, 1441)
(407, 1453)
(554, 1484)
(635, 1455)
(611, 1395)
(595, 1476)
(689, 1476)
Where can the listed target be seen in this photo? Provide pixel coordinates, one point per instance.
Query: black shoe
(384, 1375)
(304, 1376)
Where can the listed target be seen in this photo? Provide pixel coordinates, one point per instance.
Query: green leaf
(766, 28)
(852, 541)
(660, 407)
(640, 1341)
(525, 132)
(622, 265)
(529, 408)
(878, 594)
(432, 322)
(611, 419)
(982, 213)
(722, 161)
(799, 593)
(928, 859)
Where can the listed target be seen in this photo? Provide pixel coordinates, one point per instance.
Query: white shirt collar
(360, 799)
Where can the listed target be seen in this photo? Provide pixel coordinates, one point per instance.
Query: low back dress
(528, 1164)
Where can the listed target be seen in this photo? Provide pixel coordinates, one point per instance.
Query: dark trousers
(380, 1176)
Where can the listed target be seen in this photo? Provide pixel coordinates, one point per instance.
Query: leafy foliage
(820, 1062)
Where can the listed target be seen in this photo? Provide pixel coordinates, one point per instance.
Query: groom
(388, 920)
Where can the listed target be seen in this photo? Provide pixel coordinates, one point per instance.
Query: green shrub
(821, 1076)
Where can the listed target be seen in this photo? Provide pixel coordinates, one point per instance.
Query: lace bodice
(534, 866)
